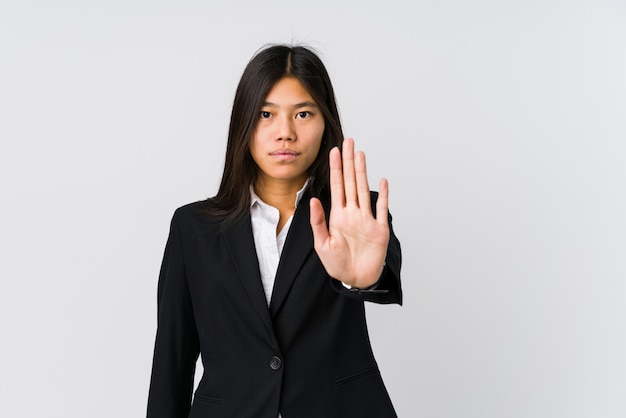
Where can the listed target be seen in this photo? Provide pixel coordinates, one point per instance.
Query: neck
(281, 195)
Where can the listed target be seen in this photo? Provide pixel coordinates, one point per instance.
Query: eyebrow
(296, 106)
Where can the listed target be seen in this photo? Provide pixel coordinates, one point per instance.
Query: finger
(337, 196)
(318, 223)
(363, 188)
(349, 177)
(382, 203)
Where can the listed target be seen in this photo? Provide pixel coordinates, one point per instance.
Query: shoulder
(194, 209)
(195, 215)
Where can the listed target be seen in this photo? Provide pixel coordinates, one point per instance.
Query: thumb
(318, 222)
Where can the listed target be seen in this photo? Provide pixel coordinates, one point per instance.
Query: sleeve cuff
(372, 288)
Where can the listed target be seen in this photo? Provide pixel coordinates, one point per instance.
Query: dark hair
(265, 69)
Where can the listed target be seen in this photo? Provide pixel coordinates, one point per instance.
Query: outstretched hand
(354, 245)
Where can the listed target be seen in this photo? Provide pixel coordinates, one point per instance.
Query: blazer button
(275, 363)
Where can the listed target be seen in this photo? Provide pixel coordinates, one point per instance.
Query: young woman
(267, 280)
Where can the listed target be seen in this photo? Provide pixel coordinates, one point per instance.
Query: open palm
(354, 245)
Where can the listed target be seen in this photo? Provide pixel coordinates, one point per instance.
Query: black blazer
(307, 355)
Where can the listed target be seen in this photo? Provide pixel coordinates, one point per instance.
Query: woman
(258, 282)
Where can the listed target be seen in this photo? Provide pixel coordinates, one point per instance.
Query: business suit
(307, 355)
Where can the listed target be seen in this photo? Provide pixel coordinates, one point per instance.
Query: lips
(284, 155)
(283, 152)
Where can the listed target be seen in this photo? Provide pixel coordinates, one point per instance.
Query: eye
(265, 114)
(304, 114)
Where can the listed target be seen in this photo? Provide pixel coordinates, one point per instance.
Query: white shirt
(269, 245)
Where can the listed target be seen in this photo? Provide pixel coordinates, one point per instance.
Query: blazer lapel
(298, 246)
(240, 243)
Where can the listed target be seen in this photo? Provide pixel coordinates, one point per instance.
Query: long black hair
(265, 69)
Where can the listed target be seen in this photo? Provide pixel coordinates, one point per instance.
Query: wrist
(369, 288)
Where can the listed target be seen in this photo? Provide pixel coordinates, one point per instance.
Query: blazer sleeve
(388, 288)
(176, 347)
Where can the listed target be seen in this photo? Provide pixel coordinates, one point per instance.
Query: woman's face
(288, 134)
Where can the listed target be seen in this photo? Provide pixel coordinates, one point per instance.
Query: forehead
(288, 90)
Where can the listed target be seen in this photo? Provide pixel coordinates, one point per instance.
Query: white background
(501, 127)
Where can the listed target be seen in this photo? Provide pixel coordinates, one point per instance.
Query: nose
(285, 129)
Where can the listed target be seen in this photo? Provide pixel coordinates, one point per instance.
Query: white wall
(500, 125)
